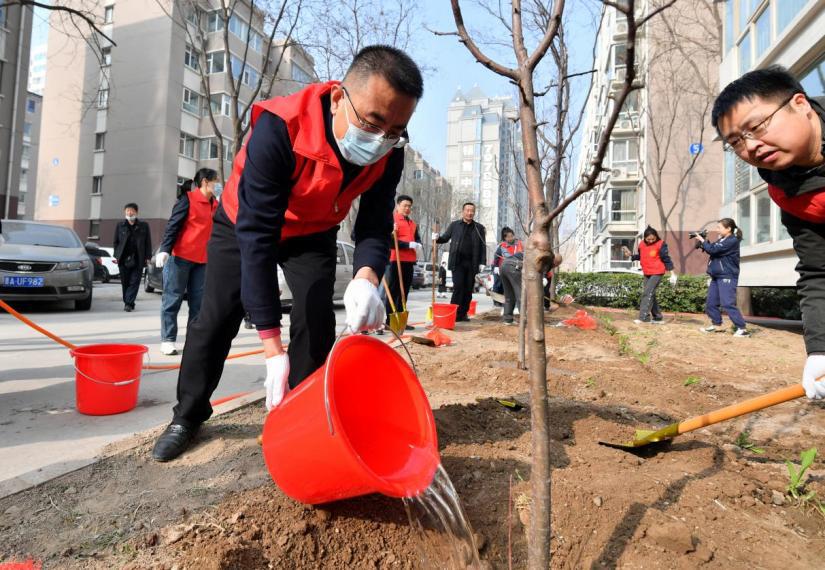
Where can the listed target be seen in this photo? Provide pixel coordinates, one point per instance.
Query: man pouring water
(308, 156)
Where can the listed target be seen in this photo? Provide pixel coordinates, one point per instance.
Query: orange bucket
(471, 312)
(360, 424)
(444, 315)
(107, 377)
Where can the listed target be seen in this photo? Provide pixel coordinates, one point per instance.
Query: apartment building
(431, 193)
(662, 166)
(758, 34)
(37, 68)
(28, 157)
(484, 152)
(15, 39)
(130, 122)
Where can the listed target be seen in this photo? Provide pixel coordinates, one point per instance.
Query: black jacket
(143, 241)
(479, 244)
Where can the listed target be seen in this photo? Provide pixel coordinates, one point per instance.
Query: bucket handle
(120, 383)
(327, 406)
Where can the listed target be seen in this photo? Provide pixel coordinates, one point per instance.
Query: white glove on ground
(435, 235)
(277, 375)
(160, 259)
(814, 369)
(673, 278)
(496, 271)
(365, 311)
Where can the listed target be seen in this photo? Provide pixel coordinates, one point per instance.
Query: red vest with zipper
(405, 230)
(649, 258)
(809, 206)
(316, 201)
(191, 242)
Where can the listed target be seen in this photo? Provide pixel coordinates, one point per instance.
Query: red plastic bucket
(377, 435)
(444, 315)
(471, 312)
(107, 377)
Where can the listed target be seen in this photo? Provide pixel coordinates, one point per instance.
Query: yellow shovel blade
(429, 313)
(398, 322)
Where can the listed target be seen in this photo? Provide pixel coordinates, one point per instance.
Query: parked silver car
(42, 262)
(343, 275)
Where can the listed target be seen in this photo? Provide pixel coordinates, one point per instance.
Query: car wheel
(84, 304)
(146, 287)
(106, 276)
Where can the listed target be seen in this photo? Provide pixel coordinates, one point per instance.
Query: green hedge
(624, 291)
(782, 302)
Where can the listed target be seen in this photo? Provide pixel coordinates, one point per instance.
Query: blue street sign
(55, 161)
(696, 148)
(54, 200)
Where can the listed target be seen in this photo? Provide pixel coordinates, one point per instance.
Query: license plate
(15, 281)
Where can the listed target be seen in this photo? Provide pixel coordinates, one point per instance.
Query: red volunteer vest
(652, 264)
(191, 242)
(512, 249)
(316, 202)
(405, 229)
(809, 206)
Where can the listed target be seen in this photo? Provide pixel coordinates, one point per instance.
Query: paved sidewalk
(41, 433)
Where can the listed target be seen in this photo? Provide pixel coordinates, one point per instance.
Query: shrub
(782, 302)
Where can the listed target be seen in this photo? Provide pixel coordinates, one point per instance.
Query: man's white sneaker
(742, 333)
(710, 329)
(640, 322)
(168, 348)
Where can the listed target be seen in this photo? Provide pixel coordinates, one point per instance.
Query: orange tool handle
(435, 246)
(400, 277)
(742, 408)
(36, 327)
(389, 296)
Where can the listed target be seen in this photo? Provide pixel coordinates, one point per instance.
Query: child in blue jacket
(723, 268)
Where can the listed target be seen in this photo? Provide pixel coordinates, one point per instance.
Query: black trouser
(130, 283)
(511, 281)
(391, 275)
(309, 267)
(463, 282)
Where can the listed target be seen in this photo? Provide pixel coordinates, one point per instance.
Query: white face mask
(131, 218)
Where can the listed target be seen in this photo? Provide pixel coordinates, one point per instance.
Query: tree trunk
(522, 326)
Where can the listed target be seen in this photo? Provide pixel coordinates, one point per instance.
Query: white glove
(365, 311)
(414, 245)
(814, 369)
(496, 271)
(277, 375)
(160, 259)
(481, 268)
(673, 278)
(435, 236)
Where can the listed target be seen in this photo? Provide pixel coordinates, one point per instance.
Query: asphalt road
(41, 433)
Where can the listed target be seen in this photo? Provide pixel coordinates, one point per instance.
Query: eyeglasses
(397, 140)
(737, 143)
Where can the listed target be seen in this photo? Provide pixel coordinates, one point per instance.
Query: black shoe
(174, 440)
(462, 319)
(380, 332)
(409, 328)
(128, 308)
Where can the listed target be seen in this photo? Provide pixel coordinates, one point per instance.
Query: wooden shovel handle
(389, 295)
(400, 276)
(742, 408)
(435, 229)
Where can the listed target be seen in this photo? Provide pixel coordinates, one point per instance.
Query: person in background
(182, 254)
(442, 280)
(183, 189)
(133, 247)
(655, 260)
(507, 264)
(309, 155)
(768, 120)
(723, 268)
(409, 242)
(468, 251)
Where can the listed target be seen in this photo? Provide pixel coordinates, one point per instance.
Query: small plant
(645, 356)
(743, 441)
(624, 345)
(591, 382)
(796, 477)
(691, 380)
(607, 324)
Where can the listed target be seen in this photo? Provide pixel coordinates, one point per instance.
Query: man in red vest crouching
(768, 120)
(308, 156)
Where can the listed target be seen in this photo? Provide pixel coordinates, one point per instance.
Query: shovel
(429, 318)
(398, 321)
(648, 437)
(497, 297)
(404, 314)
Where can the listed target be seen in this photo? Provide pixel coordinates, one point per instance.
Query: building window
(788, 10)
(27, 131)
(190, 58)
(187, 145)
(781, 230)
(238, 27)
(106, 56)
(418, 174)
(730, 176)
(94, 229)
(626, 154)
(745, 54)
(300, 75)
(814, 80)
(100, 141)
(743, 209)
(742, 176)
(729, 31)
(250, 74)
(763, 217)
(763, 32)
(746, 8)
(467, 166)
(221, 104)
(108, 14)
(467, 150)
(215, 62)
(214, 22)
(618, 260)
(31, 105)
(256, 42)
(191, 102)
(192, 16)
(209, 149)
(97, 185)
(103, 99)
(623, 204)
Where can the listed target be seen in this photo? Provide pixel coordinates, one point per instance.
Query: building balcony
(625, 173)
(627, 124)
